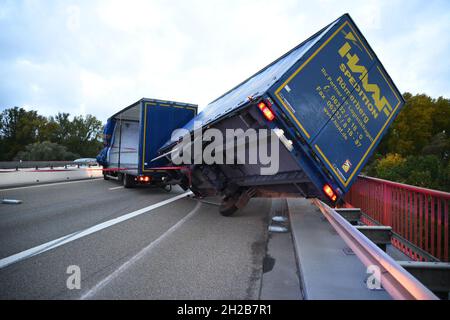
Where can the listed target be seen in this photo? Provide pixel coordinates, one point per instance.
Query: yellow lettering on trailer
(381, 102)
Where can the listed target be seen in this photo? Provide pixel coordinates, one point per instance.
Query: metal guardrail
(417, 214)
(398, 282)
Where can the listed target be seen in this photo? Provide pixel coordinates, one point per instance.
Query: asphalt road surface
(141, 243)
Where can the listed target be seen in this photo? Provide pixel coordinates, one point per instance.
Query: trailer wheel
(128, 181)
(167, 187)
(228, 207)
(105, 176)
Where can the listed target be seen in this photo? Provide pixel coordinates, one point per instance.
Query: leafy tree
(85, 136)
(49, 131)
(439, 145)
(19, 128)
(441, 116)
(62, 128)
(421, 118)
(423, 171)
(446, 177)
(421, 137)
(412, 129)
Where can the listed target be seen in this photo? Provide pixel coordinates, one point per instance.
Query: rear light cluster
(267, 112)
(329, 192)
(143, 179)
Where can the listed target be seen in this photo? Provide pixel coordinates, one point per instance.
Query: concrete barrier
(23, 177)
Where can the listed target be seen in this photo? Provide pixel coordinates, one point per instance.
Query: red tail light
(329, 192)
(268, 114)
(144, 178)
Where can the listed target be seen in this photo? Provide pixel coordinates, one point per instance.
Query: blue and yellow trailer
(330, 101)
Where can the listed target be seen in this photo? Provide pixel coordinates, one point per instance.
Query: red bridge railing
(418, 215)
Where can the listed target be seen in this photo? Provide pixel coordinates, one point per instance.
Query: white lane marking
(51, 184)
(82, 233)
(91, 292)
(115, 188)
(11, 201)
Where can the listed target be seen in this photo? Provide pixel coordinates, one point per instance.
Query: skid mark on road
(80, 234)
(91, 292)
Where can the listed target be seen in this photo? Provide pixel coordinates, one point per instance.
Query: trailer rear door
(341, 100)
(160, 119)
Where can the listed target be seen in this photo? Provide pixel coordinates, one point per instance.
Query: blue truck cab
(133, 136)
(329, 100)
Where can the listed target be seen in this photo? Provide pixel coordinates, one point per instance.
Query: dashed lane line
(101, 284)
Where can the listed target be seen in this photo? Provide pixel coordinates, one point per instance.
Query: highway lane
(52, 211)
(182, 250)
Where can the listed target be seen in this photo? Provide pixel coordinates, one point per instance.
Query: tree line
(416, 148)
(26, 135)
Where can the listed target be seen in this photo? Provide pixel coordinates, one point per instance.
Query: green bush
(45, 151)
(423, 171)
(389, 167)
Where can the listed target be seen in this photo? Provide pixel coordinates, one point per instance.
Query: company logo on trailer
(347, 165)
(381, 103)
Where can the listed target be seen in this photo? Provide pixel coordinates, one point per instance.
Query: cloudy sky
(99, 56)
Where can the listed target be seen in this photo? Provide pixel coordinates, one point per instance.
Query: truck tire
(128, 181)
(105, 176)
(228, 207)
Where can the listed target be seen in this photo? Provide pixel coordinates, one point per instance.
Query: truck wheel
(105, 176)
(128, 181)
(228, 207)
(167, 187)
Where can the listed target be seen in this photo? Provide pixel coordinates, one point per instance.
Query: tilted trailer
(133, 136)
(329, 101)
